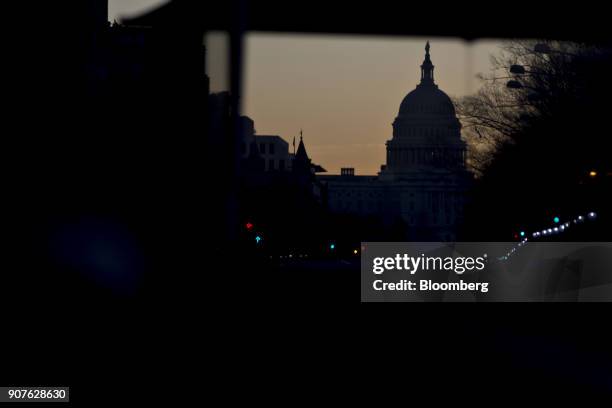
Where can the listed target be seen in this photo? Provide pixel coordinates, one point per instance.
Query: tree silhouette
(535, 131)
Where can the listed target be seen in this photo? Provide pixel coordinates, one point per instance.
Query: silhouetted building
(122, 60)
(267, 163)
(424, 181)
(271, 149)
(275, 151)
(218, 128)
(304, 172)
(247, 136)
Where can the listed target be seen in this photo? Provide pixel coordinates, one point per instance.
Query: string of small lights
(558, 227)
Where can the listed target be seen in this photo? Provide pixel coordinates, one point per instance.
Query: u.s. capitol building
(424, 182)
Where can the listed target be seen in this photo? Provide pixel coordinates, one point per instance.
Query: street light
(517, 69)
(514, 84)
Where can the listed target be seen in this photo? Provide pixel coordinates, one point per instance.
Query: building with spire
(424, 182)
(265, 161)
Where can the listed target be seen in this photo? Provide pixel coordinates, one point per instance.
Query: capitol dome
(426, 132)
(427, 99)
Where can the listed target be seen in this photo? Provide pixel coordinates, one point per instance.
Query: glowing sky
(343, 91)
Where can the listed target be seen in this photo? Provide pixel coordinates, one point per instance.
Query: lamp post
(517, 69)
(514, 84)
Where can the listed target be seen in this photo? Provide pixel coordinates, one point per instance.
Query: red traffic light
(249, 226)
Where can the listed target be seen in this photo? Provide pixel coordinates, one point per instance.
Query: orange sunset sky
(343, 91)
